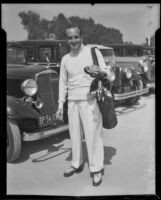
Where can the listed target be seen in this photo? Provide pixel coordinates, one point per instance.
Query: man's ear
(82, 38)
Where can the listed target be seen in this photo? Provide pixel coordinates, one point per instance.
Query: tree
(93, 33)
(31, 23)
(128, 42)
(58, 26)
(97, 33)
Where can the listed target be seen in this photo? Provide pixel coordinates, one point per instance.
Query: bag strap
(94, 56)
(95, 60)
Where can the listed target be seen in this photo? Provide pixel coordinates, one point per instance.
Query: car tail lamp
(29, 87)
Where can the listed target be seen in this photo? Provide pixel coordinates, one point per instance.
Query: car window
(15, 54)
(131, 52)
(29, 52)
(107, 52)
(128, 51)
(43, 52)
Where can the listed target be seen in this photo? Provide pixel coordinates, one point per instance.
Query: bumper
(151, 85)
(43, 134)
(127, 95)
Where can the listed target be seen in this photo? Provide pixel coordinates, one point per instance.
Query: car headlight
(145, 67)
(141, 62)
(111, 76)
(128, 73)
(29, 87)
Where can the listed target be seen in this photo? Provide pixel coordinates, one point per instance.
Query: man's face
(74, 39)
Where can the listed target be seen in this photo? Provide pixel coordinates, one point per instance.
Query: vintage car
(32, 101)
(127, 85)
(147, 71)
(132, 56)
(47, 53)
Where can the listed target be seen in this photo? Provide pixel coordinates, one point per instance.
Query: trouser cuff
(93, 170)
(76, 164)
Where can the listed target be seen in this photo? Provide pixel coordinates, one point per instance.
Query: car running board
(43, 134)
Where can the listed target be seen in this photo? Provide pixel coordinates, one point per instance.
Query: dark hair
(73, 26)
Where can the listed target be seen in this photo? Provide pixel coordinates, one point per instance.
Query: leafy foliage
(31, 23)
(93, 33)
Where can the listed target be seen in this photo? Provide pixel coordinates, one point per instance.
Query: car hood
(124, 62)
(23, 71)
(128, 59)
(108, 59)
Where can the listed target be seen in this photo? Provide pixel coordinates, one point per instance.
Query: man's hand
(59, 114)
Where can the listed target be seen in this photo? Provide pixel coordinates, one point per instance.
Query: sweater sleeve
(62, 83)
(101, 62)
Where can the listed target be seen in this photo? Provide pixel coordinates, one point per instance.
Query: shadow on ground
(55, 149)
(125, 109)
(50, 144)
(109, 152)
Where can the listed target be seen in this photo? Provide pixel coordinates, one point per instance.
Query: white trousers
(85, 116)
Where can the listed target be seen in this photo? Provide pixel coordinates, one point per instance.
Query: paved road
(129, 160)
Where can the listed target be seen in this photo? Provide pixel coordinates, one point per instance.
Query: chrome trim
(130, 94)
(23, 86)
(38, 103)
(151, 85)
(43, 134)
(44, 72)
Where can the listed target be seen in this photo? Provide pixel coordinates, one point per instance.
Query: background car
(32, 101)
(141, 59)
(147, 71)
(47, 53)
(126, 83)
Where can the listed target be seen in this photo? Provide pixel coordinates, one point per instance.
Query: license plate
(48, 119)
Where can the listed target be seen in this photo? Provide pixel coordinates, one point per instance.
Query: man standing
(83, 111)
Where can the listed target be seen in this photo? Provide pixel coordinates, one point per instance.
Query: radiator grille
(48, 92)
(117, 81)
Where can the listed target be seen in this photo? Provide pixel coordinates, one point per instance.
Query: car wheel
(137, 85)
(13, 141)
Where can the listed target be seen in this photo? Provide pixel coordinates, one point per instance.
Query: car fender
(18, 109)
(135, 76)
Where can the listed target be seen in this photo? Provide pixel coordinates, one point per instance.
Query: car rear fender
(18, 109)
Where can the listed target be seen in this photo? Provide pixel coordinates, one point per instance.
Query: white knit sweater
(73, 81)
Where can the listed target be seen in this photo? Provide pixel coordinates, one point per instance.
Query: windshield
(15, 55)
(128, 52)
(107, 52)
